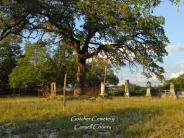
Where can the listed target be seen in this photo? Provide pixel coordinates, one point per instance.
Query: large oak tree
(124, 31)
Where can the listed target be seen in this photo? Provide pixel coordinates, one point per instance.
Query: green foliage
(63, 61)
(32, 68)
(40, 65)
(20, 127)
(95, 73)
(10, 51)
(116, 91)
(135, 90)
(157, 90)
(178, 83)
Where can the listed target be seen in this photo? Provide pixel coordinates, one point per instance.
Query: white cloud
(179, 47)
(121, 82)
(176, 74)
(139, 79)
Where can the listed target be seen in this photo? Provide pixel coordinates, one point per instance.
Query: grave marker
(53, 88)
(148, 90)
(127, 93)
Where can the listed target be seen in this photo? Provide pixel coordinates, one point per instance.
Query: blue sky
(174, 29)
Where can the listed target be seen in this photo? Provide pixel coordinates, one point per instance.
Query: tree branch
(96, 51)
(90, 35)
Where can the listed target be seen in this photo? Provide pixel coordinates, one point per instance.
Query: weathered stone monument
(148, 89)
(102, 89)
(170, 93)
(53, 88)
(172, 89)
(127, 93)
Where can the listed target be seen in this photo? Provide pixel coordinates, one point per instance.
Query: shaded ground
(133, 117)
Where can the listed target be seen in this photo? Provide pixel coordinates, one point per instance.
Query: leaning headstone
(127, 93)
(53, 88)
(172, 89)
(102, 89)
(148, 90)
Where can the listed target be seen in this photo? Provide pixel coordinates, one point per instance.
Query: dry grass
(135, 117)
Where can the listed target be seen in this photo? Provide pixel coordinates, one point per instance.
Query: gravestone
(53, 88)
(148, 90)
(102, 89)
(172, 89)
(127, 93)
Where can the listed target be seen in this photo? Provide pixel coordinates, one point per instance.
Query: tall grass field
(119, 117)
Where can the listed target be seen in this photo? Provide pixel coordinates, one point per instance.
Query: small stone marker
(102, 89)
(127, 94)
(53, 88)
(148, 90)
(172, 89)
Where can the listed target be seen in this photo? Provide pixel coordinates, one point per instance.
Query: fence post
(64, 91)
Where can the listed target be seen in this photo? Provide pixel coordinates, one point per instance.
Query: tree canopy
(10, 51)
(40, 65)
(122, 31)
(32, 68)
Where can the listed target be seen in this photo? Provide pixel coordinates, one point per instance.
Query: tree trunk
(79, 84)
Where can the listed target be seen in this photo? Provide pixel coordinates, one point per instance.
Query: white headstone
(148, 90)
(53, 88)
(127, 93)
(102, 90)
(172, 89)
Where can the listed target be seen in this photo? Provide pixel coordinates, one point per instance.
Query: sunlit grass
(135, 117)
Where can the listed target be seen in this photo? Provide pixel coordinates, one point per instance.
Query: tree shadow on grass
(127, 123)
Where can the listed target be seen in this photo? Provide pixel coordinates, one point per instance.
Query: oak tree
(124, 31)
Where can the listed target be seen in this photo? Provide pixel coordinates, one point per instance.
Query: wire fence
(92, 88)
(6, 90)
